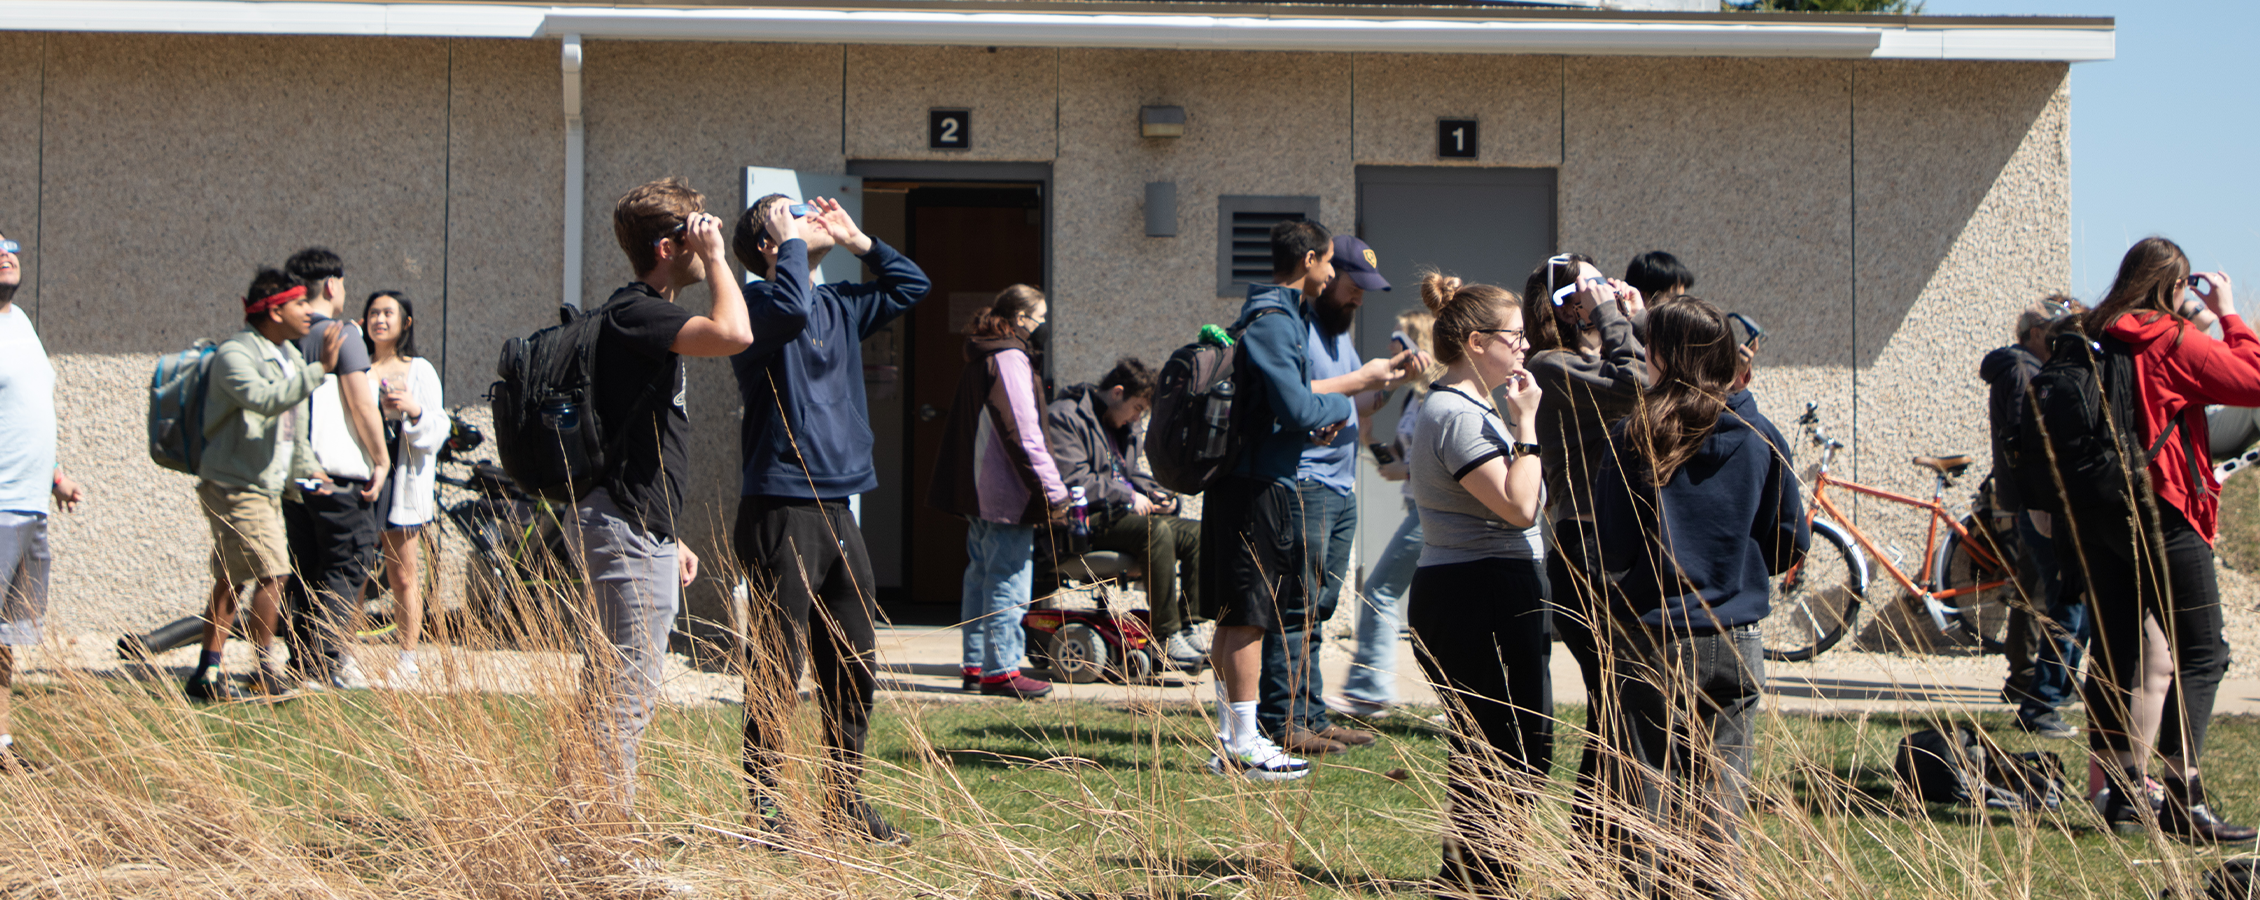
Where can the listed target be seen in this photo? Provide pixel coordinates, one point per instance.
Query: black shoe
(2126, 806)
(862, 820)
(2187, 817)
(210, 686)
(14, 763)
(2047, 724)
(772, 828)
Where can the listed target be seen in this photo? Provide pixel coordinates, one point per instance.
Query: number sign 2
(1455, 138)
(949, 129)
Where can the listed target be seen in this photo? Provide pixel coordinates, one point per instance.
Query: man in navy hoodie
(807, 447)
(1254, 563)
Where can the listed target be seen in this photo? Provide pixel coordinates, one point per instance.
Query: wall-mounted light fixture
(1161, 121)
(1161, 209)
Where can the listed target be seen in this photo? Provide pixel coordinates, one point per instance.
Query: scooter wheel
(1079, 654)
(1138, 666)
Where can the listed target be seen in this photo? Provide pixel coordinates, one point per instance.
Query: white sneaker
(1183, 655)
(347, 676)
(404, 677)
(1356, 708)
(1262, 761)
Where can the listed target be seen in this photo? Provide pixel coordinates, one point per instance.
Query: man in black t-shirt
(626, 537)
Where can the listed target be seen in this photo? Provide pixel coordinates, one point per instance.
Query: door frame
(1037, 173)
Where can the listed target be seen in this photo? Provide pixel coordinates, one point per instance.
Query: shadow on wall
(1932, 142)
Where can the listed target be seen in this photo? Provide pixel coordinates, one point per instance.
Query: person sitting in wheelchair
(1098, 445)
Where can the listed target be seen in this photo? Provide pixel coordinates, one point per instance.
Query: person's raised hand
(1629, 301)
(702, 235)
(781, 224)
(2219, 299)
(1522, 395)
(1379, 373)
(331, 344)
(834, 219)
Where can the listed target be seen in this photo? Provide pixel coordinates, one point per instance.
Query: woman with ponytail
(1478, 607)
(2158, 650)
(1695, 508)
(996, 470)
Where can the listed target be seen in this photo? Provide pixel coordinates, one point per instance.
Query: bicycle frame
(1932, 589)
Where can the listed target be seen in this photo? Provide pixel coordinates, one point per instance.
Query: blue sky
(2165, 138)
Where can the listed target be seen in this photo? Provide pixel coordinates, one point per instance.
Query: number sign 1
(949, 129)
(1455, 138)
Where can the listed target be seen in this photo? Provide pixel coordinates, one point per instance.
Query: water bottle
(1078, 519)
(1216, 421)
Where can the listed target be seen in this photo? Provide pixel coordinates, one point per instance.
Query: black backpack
(1200, 420)
(547, 434)
(1962, 765)
(2080, 426)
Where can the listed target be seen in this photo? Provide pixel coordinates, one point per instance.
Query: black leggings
(1581, 620)
(811, 595)
(2131, 581)
(1483, 639)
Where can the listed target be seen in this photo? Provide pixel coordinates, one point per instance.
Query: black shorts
(1252, 559)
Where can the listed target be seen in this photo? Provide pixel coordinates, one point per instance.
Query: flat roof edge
(1370, 29)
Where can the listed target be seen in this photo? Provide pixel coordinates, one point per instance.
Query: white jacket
(415, 465)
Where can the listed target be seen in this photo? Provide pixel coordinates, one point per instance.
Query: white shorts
(24, 563)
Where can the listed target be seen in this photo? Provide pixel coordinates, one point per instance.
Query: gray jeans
(635, 587)
(1682, 733)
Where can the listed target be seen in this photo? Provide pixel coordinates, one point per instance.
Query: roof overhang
(1373, 28)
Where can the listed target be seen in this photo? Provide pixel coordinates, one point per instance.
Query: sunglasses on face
(1561, 294)
(10, 247)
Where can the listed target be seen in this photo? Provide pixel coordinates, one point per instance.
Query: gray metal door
(1489, 226)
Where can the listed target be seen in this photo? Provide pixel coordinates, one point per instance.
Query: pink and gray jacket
(994, 464)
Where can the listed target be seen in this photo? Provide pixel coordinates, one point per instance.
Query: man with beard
(1325, 480)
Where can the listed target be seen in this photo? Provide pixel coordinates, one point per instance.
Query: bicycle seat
(1950, 466)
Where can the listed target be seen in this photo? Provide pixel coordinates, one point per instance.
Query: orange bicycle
(1964, 585)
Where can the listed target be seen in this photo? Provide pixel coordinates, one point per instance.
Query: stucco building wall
(1883, 220)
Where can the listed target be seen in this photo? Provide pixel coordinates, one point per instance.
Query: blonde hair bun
(1436, 290)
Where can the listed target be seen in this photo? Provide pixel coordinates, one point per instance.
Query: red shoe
(1015, 685)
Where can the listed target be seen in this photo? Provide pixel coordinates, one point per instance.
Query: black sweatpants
(333, 544)
(1581, 619)
(811, 603)
(1482, 636)
(2131, 582)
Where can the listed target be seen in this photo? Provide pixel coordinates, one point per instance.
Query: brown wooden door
(973, 242)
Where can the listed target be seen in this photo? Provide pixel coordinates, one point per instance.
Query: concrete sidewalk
(922, 662)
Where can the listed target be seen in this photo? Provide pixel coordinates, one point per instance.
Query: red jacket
(2173, 377)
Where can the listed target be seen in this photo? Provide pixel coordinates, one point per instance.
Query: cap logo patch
(1372, 260)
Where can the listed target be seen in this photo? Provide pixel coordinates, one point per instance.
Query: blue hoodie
(807, 431)
(1282, 369)
(1730, 519)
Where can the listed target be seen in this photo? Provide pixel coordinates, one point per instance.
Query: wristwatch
(1521, 450)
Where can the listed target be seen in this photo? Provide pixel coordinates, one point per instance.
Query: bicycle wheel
(1984, 613)
(1816, 602)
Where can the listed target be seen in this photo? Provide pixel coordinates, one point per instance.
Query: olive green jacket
(249, 397)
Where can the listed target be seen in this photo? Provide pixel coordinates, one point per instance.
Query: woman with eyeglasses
(996, 470)
(416, 425)
(2158, 649)
(1478, 602)
(1592, 368)
(1695, 508)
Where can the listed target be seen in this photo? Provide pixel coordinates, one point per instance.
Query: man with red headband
(256, 420)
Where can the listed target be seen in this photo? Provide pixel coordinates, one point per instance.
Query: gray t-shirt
(1452, 437)
(352, 353)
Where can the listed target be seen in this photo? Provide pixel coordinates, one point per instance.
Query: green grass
(395, 793)
(2239, 543)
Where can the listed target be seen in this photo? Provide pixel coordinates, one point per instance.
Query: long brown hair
(2150, 276)
(1688, 338)
(1002, 318)
(1539, 317)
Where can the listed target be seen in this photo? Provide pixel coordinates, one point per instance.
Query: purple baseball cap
(1353, 258)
